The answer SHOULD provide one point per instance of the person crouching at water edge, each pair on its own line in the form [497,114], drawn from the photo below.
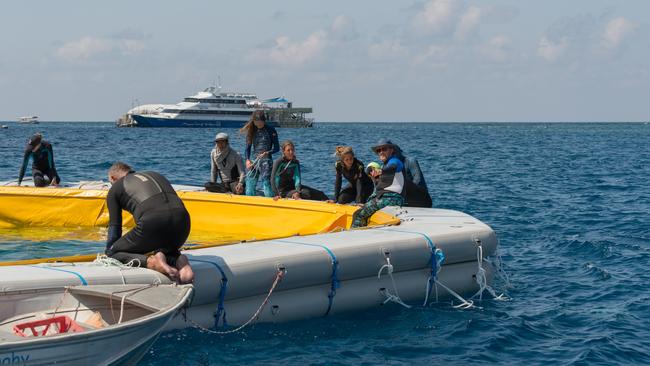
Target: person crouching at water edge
[43,168]
[286,180]
[262,139]
[227,165]
[389,187]
[162,224]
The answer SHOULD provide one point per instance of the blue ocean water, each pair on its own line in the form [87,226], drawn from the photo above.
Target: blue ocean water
[569,202]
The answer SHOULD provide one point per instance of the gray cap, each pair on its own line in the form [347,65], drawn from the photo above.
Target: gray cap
[221,136]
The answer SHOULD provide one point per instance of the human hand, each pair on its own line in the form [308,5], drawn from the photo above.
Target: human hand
[239,188]
[275,198]
[330,201]
[295,195]
[375,173]
[249,164]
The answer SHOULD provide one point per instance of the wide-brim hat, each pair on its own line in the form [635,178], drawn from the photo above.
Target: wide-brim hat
[381,143]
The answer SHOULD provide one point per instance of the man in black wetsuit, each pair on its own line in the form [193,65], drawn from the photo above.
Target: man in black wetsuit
[43,168]
[162,222]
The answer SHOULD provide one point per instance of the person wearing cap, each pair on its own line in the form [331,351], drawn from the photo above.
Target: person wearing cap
[389,187]
[262,142]
[43,168]
[227,166]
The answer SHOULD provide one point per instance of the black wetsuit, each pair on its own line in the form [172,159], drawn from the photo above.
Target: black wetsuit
[360,187]
[416,192]
[162,222]
[43,168]
[286,179]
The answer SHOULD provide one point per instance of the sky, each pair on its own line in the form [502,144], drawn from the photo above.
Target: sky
[365,60]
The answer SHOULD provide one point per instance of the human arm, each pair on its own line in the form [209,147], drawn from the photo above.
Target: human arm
[337,182]
[214,170]
[359,184]
[275,144]
[274,177]
[115,216]
[296,176]
[28,153]
[50,161]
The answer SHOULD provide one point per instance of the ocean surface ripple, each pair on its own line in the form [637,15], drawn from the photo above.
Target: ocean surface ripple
[569,202]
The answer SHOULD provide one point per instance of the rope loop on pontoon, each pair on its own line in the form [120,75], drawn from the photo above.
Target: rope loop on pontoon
[384,291]
[278,278]
[481,277]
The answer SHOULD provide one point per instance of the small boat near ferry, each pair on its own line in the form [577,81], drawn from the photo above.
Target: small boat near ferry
[86,325]
[28,119]
[213,108]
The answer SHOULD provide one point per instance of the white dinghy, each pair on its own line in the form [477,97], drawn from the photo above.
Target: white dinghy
[86,325]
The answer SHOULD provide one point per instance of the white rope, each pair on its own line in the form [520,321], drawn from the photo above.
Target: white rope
[106,261]
[384,291]
[481,279]
[464,304]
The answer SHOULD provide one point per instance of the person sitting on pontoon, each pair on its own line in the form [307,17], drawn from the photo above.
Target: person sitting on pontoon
[286,180]
[227,165]
[359,186]
[43,168]
[162,224]
[389,187]
[415,191]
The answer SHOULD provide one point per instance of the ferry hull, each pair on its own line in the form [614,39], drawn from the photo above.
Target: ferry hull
[146,121]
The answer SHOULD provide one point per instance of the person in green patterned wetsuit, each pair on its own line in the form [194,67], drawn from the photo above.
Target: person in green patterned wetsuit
[286,181]
[389,187]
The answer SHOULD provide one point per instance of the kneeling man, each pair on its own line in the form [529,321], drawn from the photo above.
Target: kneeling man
[162,222]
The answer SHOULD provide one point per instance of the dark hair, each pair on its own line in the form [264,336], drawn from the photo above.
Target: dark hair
[249,127]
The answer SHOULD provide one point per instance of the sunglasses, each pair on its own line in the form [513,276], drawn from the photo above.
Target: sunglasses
[380,149]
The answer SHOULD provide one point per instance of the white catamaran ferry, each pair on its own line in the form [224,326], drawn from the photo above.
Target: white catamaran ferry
[208,108]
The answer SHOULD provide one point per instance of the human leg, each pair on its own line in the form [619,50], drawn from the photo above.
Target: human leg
[251,184]
[361,216]
[40,180]
[348,194]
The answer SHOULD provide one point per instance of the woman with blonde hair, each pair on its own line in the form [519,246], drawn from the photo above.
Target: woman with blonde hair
[360,185]
[262,140]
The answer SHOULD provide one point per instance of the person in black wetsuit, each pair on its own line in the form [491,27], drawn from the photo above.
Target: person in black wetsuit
[360,185]
[415,190]
[286,180]
[43,168]
[162,224]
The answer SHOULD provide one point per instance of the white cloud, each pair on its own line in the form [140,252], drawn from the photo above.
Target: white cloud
[497,48]
[468,23]
[552,51]
[438,16]
[616,31]
[295,53]
[90,47]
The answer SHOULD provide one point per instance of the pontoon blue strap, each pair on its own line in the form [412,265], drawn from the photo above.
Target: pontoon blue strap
[436,259]
[220,313]
[335,271]
[83,281]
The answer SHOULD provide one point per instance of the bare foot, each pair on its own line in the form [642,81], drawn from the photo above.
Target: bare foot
[185,272]
[158,262]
